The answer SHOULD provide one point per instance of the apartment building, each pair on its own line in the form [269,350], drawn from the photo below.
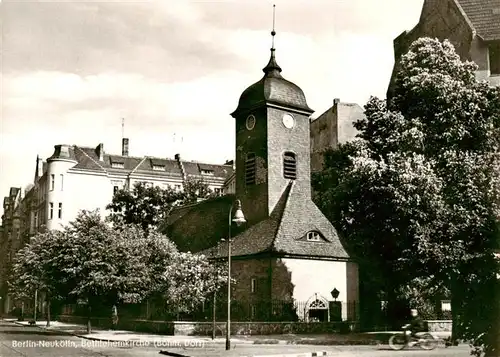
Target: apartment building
[78,178]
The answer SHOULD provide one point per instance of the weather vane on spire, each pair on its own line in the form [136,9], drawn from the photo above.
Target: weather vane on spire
[273,33]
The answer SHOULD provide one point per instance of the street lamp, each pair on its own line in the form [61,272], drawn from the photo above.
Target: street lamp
[239,219]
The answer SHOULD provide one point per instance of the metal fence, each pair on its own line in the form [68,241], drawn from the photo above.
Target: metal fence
[272,311]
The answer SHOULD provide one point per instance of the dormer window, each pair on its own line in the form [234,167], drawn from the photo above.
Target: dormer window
[250,169]
[313,236]
[207,172]
[289,165]
[117,165]
[158,168]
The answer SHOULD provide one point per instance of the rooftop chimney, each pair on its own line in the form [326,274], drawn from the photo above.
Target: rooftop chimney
[125,147]
[336,101]
[39,168]
[99,150]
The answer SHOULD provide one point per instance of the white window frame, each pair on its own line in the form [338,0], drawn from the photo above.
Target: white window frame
[52,182]
[118,165]
[158,167]
[313,236]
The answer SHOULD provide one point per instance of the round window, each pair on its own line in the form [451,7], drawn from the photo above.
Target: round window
[288,121]
[250,122]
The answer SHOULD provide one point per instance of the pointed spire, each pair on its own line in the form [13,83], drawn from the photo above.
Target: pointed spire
[273,69]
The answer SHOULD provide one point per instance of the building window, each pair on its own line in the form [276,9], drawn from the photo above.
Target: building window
[62,181]
[35,220]
[253,312]
[217,191]
[115,189]
[158,168]
[177,187]
[313,236]
[117,165]
[254,283]
[250,169]
[494,54]
[51,210]
[289,165]
[52,181]
[207,172]
[445,305]
[148,184]
[59,213]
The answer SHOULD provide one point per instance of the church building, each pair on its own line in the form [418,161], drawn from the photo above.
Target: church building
[286,250]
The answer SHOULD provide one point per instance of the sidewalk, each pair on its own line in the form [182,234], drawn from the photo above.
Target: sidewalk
[136,338]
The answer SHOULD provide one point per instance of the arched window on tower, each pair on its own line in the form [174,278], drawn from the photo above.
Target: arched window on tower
[289,165]
[250,169]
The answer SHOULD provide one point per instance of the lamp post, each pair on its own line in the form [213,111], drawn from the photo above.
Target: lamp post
[239,219]
[214,307]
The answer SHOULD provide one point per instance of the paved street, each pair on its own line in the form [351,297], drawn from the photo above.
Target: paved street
[23,341]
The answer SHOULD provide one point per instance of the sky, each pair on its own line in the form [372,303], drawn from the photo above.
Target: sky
[174,70]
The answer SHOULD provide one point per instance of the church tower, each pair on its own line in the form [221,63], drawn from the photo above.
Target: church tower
[272,142]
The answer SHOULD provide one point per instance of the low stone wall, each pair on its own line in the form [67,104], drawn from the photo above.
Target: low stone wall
[439,325]
[183,328]
[261,328]
[156,327]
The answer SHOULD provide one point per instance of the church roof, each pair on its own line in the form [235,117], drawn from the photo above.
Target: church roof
[284,232]
[272,89]
[198,226]
[484,16]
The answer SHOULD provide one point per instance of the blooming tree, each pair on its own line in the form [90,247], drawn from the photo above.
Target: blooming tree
[181,280]
[417,196]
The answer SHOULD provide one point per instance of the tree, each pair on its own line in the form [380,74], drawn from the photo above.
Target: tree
[102,264]
[418,195]
[149,206]
[34,269]
[180,280]
[191,280]
[143,205]
[195,190]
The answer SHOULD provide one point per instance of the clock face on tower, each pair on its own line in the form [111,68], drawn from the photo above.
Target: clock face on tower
[288,121]
[250,122]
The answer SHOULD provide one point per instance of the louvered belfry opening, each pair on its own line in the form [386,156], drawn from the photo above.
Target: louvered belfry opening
[289,165]
[250,169]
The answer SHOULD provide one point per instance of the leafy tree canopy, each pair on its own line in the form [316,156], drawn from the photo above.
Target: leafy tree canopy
[417,195]
[148,206]
[94,261]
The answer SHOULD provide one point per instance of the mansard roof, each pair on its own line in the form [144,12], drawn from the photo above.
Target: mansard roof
[87,158]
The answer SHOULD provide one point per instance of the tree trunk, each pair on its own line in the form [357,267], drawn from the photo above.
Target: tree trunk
[89,314]
[213,317]
[456,312]
[36,306]
[48,309]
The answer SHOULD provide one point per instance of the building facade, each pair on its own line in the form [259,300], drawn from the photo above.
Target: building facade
[472,26]
[78,178]
[335,126]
